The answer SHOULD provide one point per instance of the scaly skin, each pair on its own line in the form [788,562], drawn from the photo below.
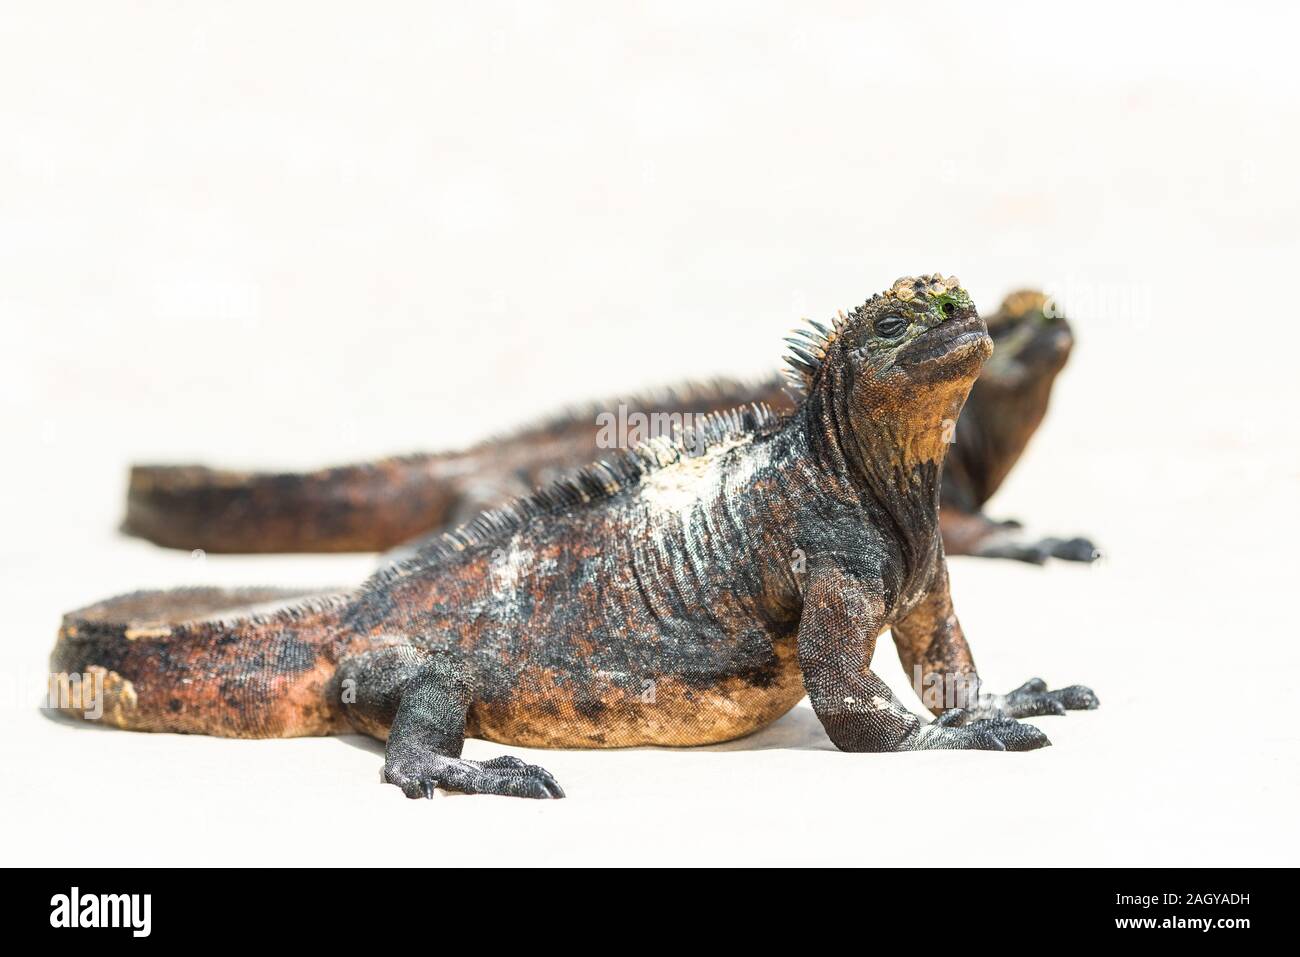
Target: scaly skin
[379,505]
[680,596]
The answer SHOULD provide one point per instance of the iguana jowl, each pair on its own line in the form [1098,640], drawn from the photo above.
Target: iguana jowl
[382,504]
[541,624]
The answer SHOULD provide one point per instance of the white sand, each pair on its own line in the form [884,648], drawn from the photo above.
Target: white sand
[308,235]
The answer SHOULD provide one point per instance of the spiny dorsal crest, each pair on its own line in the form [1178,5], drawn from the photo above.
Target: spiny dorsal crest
[593,483]
[810,346]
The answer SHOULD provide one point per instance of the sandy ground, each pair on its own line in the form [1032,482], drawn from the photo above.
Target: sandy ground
[292,235]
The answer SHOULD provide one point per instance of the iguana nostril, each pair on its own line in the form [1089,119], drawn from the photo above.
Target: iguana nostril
[948,309]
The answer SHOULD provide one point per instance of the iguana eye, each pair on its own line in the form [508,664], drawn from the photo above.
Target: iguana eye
[891,327]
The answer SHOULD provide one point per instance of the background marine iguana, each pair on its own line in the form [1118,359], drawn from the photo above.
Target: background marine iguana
[379,505]
[541,624]
[1006,405]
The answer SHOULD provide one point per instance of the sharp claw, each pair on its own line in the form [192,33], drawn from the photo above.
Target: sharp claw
[552,786]
[510,776]
[428,789]
[1004,734]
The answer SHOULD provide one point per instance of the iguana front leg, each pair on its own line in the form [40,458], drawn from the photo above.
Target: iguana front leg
[419,700]
[935,654]
[842,616]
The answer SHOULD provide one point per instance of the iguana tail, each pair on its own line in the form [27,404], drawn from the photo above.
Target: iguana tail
[242,663]
[351,508]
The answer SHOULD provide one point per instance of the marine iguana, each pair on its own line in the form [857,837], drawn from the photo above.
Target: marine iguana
[376,506]
[1032,342]
[652,600]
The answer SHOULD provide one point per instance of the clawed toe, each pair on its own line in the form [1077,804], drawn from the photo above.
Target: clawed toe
[518,779]
[1033,705]
[957,729]
[507,776]
[1010,735]
[1032,699]
[1078,698]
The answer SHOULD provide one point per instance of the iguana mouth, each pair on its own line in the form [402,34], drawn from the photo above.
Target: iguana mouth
[1043,348]
[948,340]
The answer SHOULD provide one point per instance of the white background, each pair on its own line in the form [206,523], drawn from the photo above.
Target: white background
[284,234]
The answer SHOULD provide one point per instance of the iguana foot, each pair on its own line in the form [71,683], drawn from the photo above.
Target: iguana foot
[957,729]
[1033,698]
[1071,549]
[1037,553]
[508,776]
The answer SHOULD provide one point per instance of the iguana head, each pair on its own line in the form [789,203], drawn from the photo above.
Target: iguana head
[1032,339]
[922,332]
[902,362]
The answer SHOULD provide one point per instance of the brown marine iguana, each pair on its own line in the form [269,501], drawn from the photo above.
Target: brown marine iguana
[376,506]
[1032,343]
[648,601]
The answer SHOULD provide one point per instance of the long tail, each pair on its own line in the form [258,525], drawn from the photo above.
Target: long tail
[352,508]
[243,663]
